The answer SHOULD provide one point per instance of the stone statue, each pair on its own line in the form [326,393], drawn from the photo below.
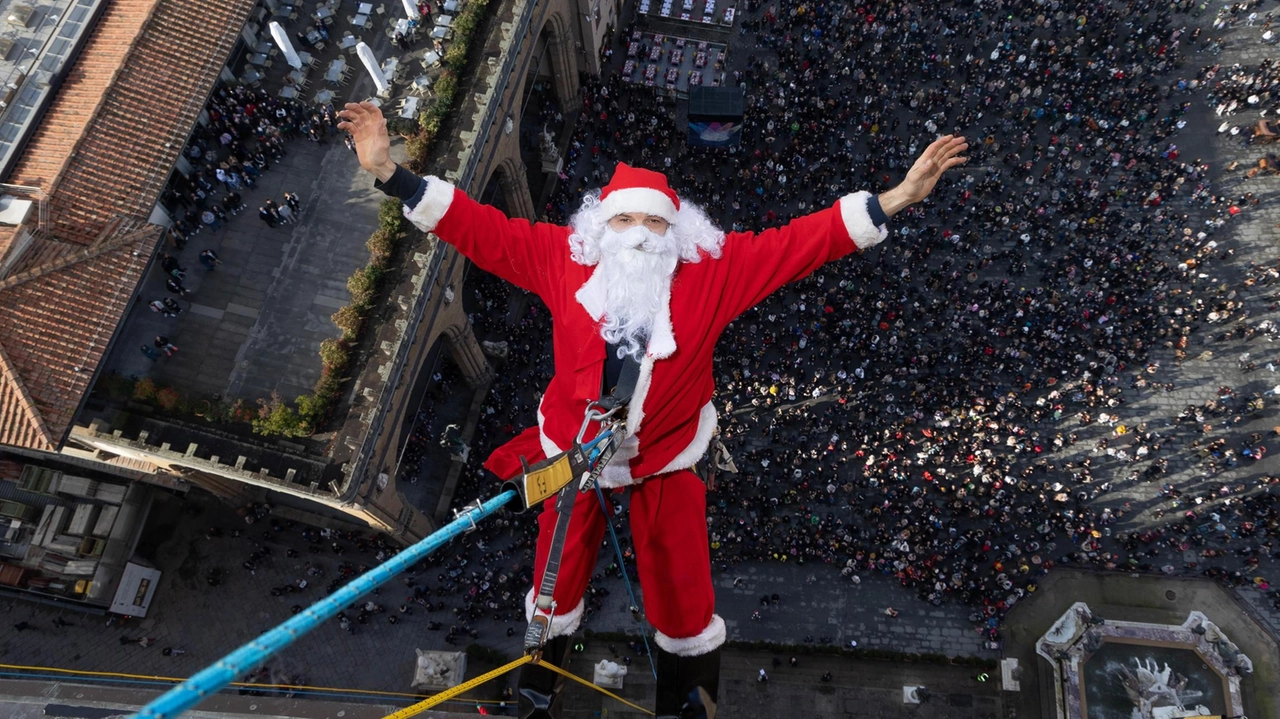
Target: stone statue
[438,669]
[547,146]
[548,152]
[497,350]
[609,674]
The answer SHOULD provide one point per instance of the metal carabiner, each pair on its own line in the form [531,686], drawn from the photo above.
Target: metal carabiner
[593,415]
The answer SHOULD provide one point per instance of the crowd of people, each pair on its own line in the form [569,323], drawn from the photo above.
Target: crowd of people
[246,133]
[950,409]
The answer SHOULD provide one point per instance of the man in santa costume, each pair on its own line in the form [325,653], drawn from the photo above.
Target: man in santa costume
[639,272]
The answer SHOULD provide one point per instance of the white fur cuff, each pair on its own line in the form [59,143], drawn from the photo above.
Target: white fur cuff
[434,203]
[863,232]
[562,625]
[707,640]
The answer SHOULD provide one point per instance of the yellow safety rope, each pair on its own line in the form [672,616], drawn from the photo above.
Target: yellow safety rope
[448,694]
[249,685]
[584,682]
[470,684]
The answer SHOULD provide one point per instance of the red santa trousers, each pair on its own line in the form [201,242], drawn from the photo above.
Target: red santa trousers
[669,528]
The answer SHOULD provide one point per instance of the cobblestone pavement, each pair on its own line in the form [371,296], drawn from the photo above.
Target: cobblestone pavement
[253,325]
[834,608]
[1213,359]
[859,688]
[849,612]
[209,621]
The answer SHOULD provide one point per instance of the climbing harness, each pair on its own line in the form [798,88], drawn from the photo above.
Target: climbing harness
[583,463]
[544,479]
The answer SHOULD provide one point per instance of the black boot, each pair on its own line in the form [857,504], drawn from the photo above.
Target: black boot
[541,690]
[688,687]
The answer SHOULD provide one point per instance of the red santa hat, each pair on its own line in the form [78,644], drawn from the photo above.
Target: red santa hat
[634,189]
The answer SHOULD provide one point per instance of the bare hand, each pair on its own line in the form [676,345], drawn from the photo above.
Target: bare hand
[369,130]
[941,155]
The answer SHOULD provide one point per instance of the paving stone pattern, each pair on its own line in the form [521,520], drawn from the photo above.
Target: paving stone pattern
[254,325]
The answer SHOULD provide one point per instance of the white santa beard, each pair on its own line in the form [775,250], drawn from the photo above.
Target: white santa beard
[635,270]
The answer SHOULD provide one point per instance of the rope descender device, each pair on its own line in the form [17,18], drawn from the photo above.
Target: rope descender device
[582,462]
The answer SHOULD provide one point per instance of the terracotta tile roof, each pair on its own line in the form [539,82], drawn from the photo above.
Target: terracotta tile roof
[7,236]
[20,422]
[103,152]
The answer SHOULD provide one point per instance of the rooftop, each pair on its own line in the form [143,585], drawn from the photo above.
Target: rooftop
[38,40]
[102,153]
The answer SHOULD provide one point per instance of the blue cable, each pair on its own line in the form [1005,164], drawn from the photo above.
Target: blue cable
[80,678]
[214,677]
[217,676]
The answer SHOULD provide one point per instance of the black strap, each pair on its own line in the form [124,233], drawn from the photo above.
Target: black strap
[612,367]
[538,631]
[626,386]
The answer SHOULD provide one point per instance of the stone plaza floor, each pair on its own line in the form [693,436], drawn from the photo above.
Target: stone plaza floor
[253,326]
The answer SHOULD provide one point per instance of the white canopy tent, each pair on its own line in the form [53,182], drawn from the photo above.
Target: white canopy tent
[282,39]
[371,64]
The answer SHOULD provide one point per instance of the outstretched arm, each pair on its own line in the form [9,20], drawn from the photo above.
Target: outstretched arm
[941,155]
[528,255]
[369,130]
[761,263]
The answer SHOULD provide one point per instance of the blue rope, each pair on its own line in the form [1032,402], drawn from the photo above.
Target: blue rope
[622,567]
[81,679]
[215,677]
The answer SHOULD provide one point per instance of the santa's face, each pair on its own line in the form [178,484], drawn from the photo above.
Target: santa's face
[627,220]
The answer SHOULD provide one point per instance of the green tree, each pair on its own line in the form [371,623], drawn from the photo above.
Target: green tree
[348,319]
[145,389]
[277,418]
[363,285]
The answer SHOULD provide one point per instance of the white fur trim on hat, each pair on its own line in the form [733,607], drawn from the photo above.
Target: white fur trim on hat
[857,220]
[638,199]
[561,624]
[434,203]
[707,640]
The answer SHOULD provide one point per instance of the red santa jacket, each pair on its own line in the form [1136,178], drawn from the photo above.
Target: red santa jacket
[671,419]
